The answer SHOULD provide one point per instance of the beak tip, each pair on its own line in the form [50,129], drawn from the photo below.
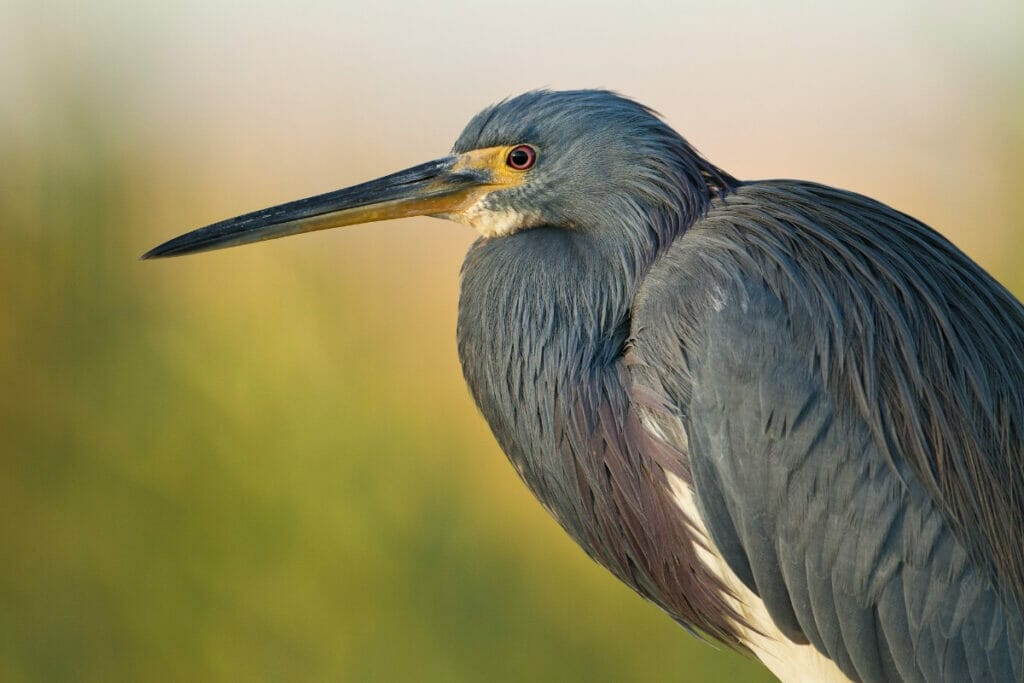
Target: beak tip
[189,243]
[160,251]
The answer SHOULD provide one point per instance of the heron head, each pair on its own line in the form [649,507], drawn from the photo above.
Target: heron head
[583,160]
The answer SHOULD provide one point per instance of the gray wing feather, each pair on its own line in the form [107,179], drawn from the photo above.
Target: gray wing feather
[809,504]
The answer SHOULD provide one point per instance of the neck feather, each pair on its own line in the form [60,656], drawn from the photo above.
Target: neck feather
[543,319]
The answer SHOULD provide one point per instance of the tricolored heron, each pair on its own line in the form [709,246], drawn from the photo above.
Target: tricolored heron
[787,414]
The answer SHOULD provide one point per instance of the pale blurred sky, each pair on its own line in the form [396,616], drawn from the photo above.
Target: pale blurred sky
[896,100]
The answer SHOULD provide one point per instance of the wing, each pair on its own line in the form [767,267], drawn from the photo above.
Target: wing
[850,388]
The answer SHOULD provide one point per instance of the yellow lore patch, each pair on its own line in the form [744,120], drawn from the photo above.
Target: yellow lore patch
[492,160]
[478,214]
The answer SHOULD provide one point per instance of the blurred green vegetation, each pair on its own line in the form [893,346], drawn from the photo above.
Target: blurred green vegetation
[263,465]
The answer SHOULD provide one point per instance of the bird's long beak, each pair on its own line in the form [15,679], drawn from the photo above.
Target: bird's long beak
[444,187]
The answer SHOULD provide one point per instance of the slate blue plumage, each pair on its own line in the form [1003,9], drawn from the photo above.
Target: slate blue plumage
[842,540]
[852,387]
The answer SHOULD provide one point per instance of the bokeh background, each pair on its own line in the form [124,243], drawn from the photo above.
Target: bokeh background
[262,464]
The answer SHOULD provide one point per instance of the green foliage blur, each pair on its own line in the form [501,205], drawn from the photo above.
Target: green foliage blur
[262,464]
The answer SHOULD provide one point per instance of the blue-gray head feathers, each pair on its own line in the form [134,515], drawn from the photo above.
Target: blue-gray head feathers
[604,162]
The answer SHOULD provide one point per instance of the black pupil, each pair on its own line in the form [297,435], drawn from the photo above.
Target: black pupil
[519,157]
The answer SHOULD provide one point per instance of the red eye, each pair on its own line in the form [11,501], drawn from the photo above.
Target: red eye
[521,157]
